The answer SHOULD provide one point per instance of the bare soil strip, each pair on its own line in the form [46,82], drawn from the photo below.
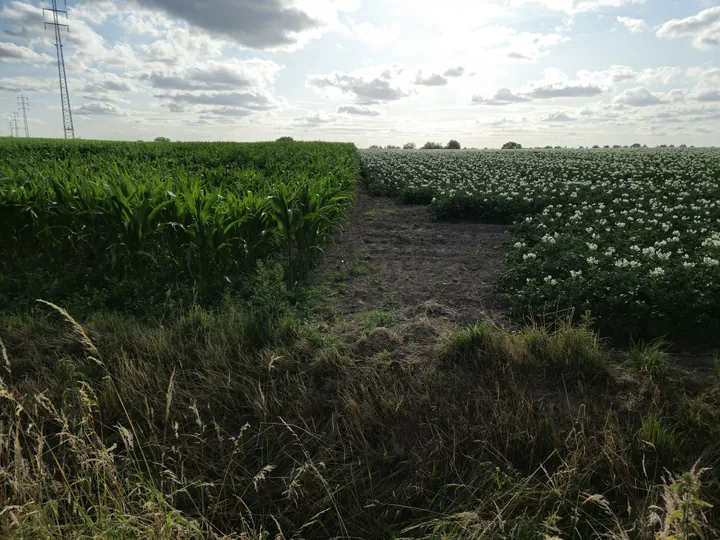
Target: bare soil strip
[394,255]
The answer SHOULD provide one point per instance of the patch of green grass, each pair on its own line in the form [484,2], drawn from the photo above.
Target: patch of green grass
[651,358]
[378,318]
[466,344]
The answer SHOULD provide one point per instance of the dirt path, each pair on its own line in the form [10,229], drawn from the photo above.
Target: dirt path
[394,255]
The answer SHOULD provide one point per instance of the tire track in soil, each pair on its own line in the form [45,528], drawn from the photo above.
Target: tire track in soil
[411,260]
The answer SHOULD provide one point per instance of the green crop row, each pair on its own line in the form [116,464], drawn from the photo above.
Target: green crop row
[204,211]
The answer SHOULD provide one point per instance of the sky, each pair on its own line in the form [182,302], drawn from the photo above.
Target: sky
[483,72]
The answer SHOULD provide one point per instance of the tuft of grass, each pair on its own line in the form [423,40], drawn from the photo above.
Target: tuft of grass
[654,431]
[466,345]
[651,358]
[377,319]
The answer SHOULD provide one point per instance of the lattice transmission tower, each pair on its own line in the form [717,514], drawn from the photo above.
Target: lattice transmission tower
[14,118]
[24,106]
[64,94]
[11,128]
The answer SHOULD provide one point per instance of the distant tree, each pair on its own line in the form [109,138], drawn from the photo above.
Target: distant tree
[606,146]
[432,146]
[683,146]
[596,146]
[375,147]
[636,145]
[662,146]
[285,139]
[453,145]
[409,146]
[558,148]
[616,146]
[581,147]
[548,147]
[392,147]
[672,146]
[511,146]
[162,139]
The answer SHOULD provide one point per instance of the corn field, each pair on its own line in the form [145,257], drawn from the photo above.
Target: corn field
[198,210]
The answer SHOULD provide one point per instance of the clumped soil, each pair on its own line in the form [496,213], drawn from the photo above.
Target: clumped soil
[393,255]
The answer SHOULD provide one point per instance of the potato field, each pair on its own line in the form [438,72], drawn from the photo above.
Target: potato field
[630,236]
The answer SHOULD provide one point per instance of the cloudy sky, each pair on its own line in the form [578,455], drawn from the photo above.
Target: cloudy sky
[567,72]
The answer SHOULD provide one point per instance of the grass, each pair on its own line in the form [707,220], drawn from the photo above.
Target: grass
[651,358]
[195,427]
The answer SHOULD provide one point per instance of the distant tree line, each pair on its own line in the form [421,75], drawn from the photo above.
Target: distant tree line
[510,145]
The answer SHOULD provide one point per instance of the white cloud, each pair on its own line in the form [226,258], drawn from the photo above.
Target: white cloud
[530,46]
[610,77]
[577,6]
[637,97]
[663,74]
[703,28]
[10,52]
[558,116]
[634,25]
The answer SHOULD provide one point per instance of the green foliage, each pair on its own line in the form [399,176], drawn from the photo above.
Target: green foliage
[511,146]
[651,358]
[377,319]
[195,212]
[632,236]
[453,145]
[431,146]
[465,345]
[161,139]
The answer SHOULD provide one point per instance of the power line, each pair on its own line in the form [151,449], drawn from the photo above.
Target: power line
[14,118]
[24,106]
[64,94]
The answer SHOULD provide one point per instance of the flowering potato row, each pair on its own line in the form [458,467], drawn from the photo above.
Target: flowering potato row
[633,236]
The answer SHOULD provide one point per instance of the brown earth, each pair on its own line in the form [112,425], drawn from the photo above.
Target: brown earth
[394,267]
[394,256]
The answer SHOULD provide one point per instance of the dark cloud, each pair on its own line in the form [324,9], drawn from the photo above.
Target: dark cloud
[432,80]
[314,120]
[99,109]
[366,91]
[708,95]
[504,96]
[253,101]
[113,85]
[216,77]
[228,111]
[357,111]
[259,24]
[27,84]
[565,90]
[455,72]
